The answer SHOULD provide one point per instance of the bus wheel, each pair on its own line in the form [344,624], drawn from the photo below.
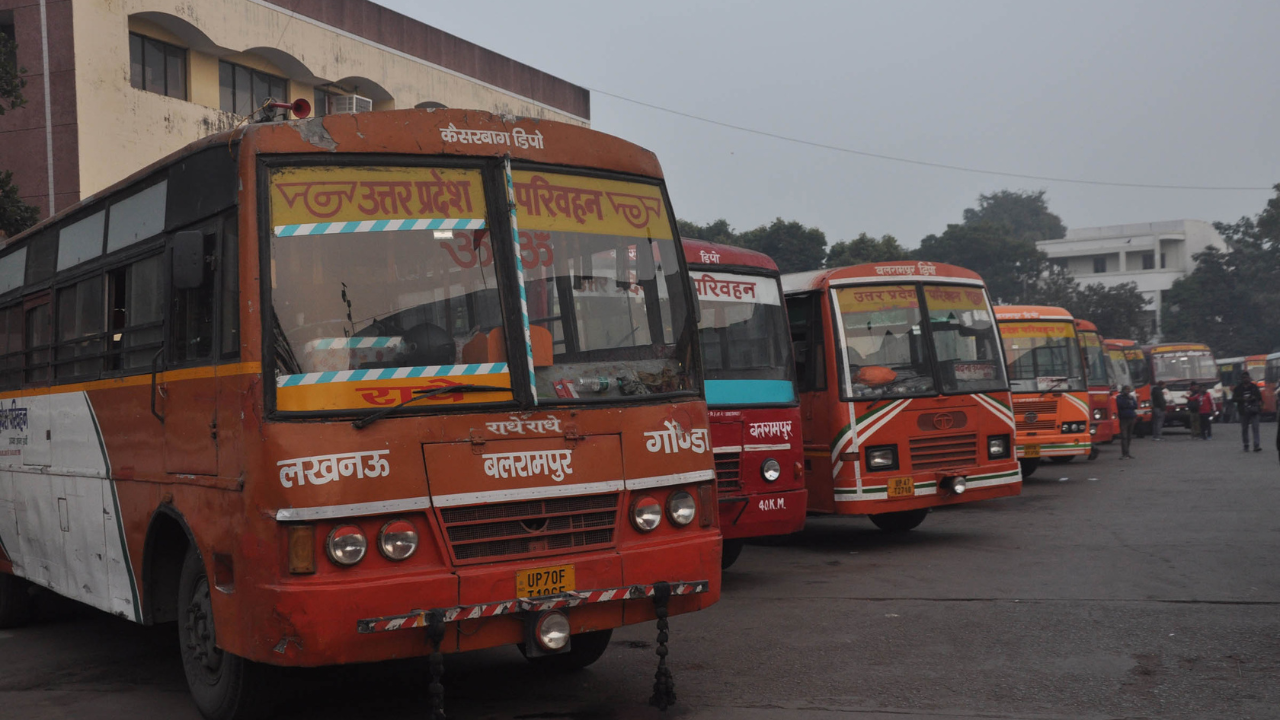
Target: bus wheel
[732,549]
[1094,452]
[224,687]
[584,649]
[1029,467]
[16,602]
[1062,460]
[900,521]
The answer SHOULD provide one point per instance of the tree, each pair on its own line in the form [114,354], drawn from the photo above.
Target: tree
[865,249]
[1212,306]
[1119,311]
[15,215]
[792,246]
[717,232]
[1011,267]
[11,80]
[1023,215]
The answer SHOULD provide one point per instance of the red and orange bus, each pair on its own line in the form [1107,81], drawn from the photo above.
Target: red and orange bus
[1104,418]
[902,390]
[1139,379]
[1270,381]
[750,390]
[1046,375]
[361,387]
[1179,365]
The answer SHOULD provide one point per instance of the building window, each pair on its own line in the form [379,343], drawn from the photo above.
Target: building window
[243,90]
[323,102]
[1100,264]
[1162,266]
[157,67]
[1060,263]
[1149,261]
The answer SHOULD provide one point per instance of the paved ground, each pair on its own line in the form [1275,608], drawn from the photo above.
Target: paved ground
[1111,589]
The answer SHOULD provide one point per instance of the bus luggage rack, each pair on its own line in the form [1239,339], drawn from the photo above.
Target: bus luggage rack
[939,451]
[1046,415]
[728,470]
[529,528]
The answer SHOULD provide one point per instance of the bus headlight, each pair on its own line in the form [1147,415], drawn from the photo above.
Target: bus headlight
[1144,404]
[1098,414]
[646,513]
[770,470]
[884,457]
[398,540]
[681,508]
[346,545]
[998,447]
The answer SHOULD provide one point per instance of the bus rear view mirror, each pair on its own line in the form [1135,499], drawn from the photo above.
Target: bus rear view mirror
[188,260]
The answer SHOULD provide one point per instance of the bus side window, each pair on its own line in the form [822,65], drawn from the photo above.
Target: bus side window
[38,337]
[11,348]
[229,274]
[805,319]
[80,330]
[135,302]
[191,311]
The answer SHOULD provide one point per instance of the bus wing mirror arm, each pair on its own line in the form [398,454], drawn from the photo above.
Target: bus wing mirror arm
[155,361]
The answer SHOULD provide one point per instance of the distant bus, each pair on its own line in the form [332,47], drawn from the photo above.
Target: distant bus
[1104,419]
[1229,372]
[751,396]
[1179,365]
[1047,378]
[1139,379]
[1271,379]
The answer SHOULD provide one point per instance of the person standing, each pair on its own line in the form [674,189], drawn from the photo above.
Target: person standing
[1249,404]
[1127,409]
[1193,410]
[1157,411]
[1207,408]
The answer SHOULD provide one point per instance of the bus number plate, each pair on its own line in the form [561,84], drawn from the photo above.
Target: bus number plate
[540,582]
[1031,451]
[901,487]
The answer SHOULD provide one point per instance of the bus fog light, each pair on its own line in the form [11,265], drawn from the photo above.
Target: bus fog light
[958,485]
[681,508]
[552,631]
[398,540]
[770,470]
[346,545]
[646,513]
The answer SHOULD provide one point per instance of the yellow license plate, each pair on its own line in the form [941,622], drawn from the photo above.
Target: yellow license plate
[540,582]
[1031,451]
[901,487]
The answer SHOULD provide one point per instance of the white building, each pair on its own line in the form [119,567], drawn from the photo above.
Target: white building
[1152,255]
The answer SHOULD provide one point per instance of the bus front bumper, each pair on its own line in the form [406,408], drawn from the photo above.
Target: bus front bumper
[763,514]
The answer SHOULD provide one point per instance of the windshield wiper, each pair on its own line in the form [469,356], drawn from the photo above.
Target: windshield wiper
[1054,385]
[365,422]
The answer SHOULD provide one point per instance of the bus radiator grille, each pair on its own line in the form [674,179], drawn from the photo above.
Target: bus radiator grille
[939,451]
[531,527]
[728,469]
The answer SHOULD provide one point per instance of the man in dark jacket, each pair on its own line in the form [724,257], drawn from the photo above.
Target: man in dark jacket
[1127,409]
[1157,410]
[1249,403]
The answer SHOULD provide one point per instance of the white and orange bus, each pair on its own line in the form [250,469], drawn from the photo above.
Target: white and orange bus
[902,390]
[750,389]
[1046,373]
[1180,365]
[361,387]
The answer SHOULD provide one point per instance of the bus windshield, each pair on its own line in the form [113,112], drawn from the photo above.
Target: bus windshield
[1097,363]
[1043,356]
[1138,369]
[1186,365]
[889,348]
[1120,375]
[743,330]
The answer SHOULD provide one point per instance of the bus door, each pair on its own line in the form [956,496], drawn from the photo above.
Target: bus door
[804,314]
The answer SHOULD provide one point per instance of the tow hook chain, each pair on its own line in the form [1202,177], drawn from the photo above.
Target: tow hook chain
[435,634]
[664,686]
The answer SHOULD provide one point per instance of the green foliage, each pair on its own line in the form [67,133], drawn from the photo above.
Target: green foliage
[15,215]
[792,246]
[716,232]
[1118,311]
[1011,267]
[1229,301]
[865,249]
[11,80]
[1021,215]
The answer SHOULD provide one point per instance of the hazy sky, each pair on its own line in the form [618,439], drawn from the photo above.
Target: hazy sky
[1161,92]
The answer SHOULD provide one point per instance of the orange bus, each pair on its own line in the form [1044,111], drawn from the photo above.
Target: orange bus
[750,389]
[1179,365]
[902,390]
[1104,418]
[1139,379]
[1270,380]
[1050,395]
[361,387]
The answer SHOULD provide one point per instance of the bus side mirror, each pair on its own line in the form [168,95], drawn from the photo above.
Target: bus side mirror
[188,260]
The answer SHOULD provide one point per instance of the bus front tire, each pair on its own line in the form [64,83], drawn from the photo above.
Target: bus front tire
[896,522]
[732,549]
[1029,467]
[16,601]
[223,686]
[584,649]
[1062,459]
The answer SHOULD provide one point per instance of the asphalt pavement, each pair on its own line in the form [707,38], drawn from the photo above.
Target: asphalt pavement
[1108,589]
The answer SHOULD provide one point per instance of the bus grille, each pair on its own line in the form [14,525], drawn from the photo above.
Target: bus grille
[938,451]
[728,467]
[1046,415]
[480,533]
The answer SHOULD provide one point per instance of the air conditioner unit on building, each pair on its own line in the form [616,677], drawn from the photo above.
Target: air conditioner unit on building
[350,104]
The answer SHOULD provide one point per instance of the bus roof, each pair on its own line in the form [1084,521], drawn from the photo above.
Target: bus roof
[701,252]
[882,272]
[1229,361]
[1086,325]
[1175,347]
[410,132]
[1006,313]
[1119,343]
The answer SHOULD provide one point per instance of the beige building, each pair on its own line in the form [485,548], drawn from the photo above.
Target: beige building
[113,85]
